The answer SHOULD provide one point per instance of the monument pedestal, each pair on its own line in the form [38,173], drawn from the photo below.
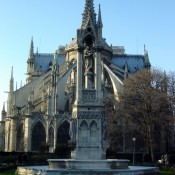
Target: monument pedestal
[88,153]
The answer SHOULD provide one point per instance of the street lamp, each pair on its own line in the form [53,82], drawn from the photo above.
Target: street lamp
[134,140]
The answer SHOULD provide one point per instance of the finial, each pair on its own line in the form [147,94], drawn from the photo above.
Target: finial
[12,73]
[55,58]
[3,109]
[31,49]
[88,14]
[16,85]
[99,17]
[11,87]
[145,51]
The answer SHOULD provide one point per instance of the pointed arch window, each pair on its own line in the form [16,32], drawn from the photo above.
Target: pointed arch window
[38,136]
[63,133]
[93,132]
[84,132]
[20,138]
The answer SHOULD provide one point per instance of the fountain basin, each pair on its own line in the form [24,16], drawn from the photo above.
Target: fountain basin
[55,164]
[44,170]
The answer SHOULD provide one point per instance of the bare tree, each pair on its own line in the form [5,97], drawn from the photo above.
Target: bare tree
[171,93]
[144,106]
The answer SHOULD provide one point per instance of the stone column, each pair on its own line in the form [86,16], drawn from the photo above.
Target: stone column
[42,105]
[47,130]
[98,74]
[7,135]
[79,76]
[48,105]
[56,100]
[55,137]
[102,73]
[100,132]
[99,129]
[27,134]
[13,135]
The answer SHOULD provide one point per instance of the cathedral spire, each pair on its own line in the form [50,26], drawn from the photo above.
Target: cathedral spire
[30,62]
[99,23]
[31,54]
[10,94]
[11,81]
[88,14]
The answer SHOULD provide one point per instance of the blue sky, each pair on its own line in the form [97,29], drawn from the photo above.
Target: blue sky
[129,23]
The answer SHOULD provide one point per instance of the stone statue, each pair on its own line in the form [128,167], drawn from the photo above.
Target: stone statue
[88,54]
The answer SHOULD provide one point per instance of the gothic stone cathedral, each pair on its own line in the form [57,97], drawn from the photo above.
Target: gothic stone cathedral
[63,99]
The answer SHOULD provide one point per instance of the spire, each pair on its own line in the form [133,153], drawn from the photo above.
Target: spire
[3,109]
[55,58]
[10,95]
[12,73]
[16,85]
[30,63]
[146,58]
[11,81]
[88,14]
[55,65]
[31,54]
[3,113]
[99,23]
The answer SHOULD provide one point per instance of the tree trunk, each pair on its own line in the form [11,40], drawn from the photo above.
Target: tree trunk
[151,144]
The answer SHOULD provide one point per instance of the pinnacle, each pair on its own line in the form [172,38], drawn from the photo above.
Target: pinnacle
[89,14]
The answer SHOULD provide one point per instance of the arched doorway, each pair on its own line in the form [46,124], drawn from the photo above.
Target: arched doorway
[38,136]
[20,138]
[63,133]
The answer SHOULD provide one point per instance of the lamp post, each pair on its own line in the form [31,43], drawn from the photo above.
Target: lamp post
[134,140]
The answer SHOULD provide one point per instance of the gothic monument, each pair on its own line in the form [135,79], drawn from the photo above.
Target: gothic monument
[63,100]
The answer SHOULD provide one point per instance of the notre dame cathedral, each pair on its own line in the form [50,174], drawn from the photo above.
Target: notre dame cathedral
[64,96]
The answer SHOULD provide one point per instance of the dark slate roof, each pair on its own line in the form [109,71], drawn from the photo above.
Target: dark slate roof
[42,61]
[135,62]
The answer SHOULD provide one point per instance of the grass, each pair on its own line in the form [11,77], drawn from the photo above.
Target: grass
[11,171]
[167,173]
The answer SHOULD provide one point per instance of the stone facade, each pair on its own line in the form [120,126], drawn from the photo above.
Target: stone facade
[63,100]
